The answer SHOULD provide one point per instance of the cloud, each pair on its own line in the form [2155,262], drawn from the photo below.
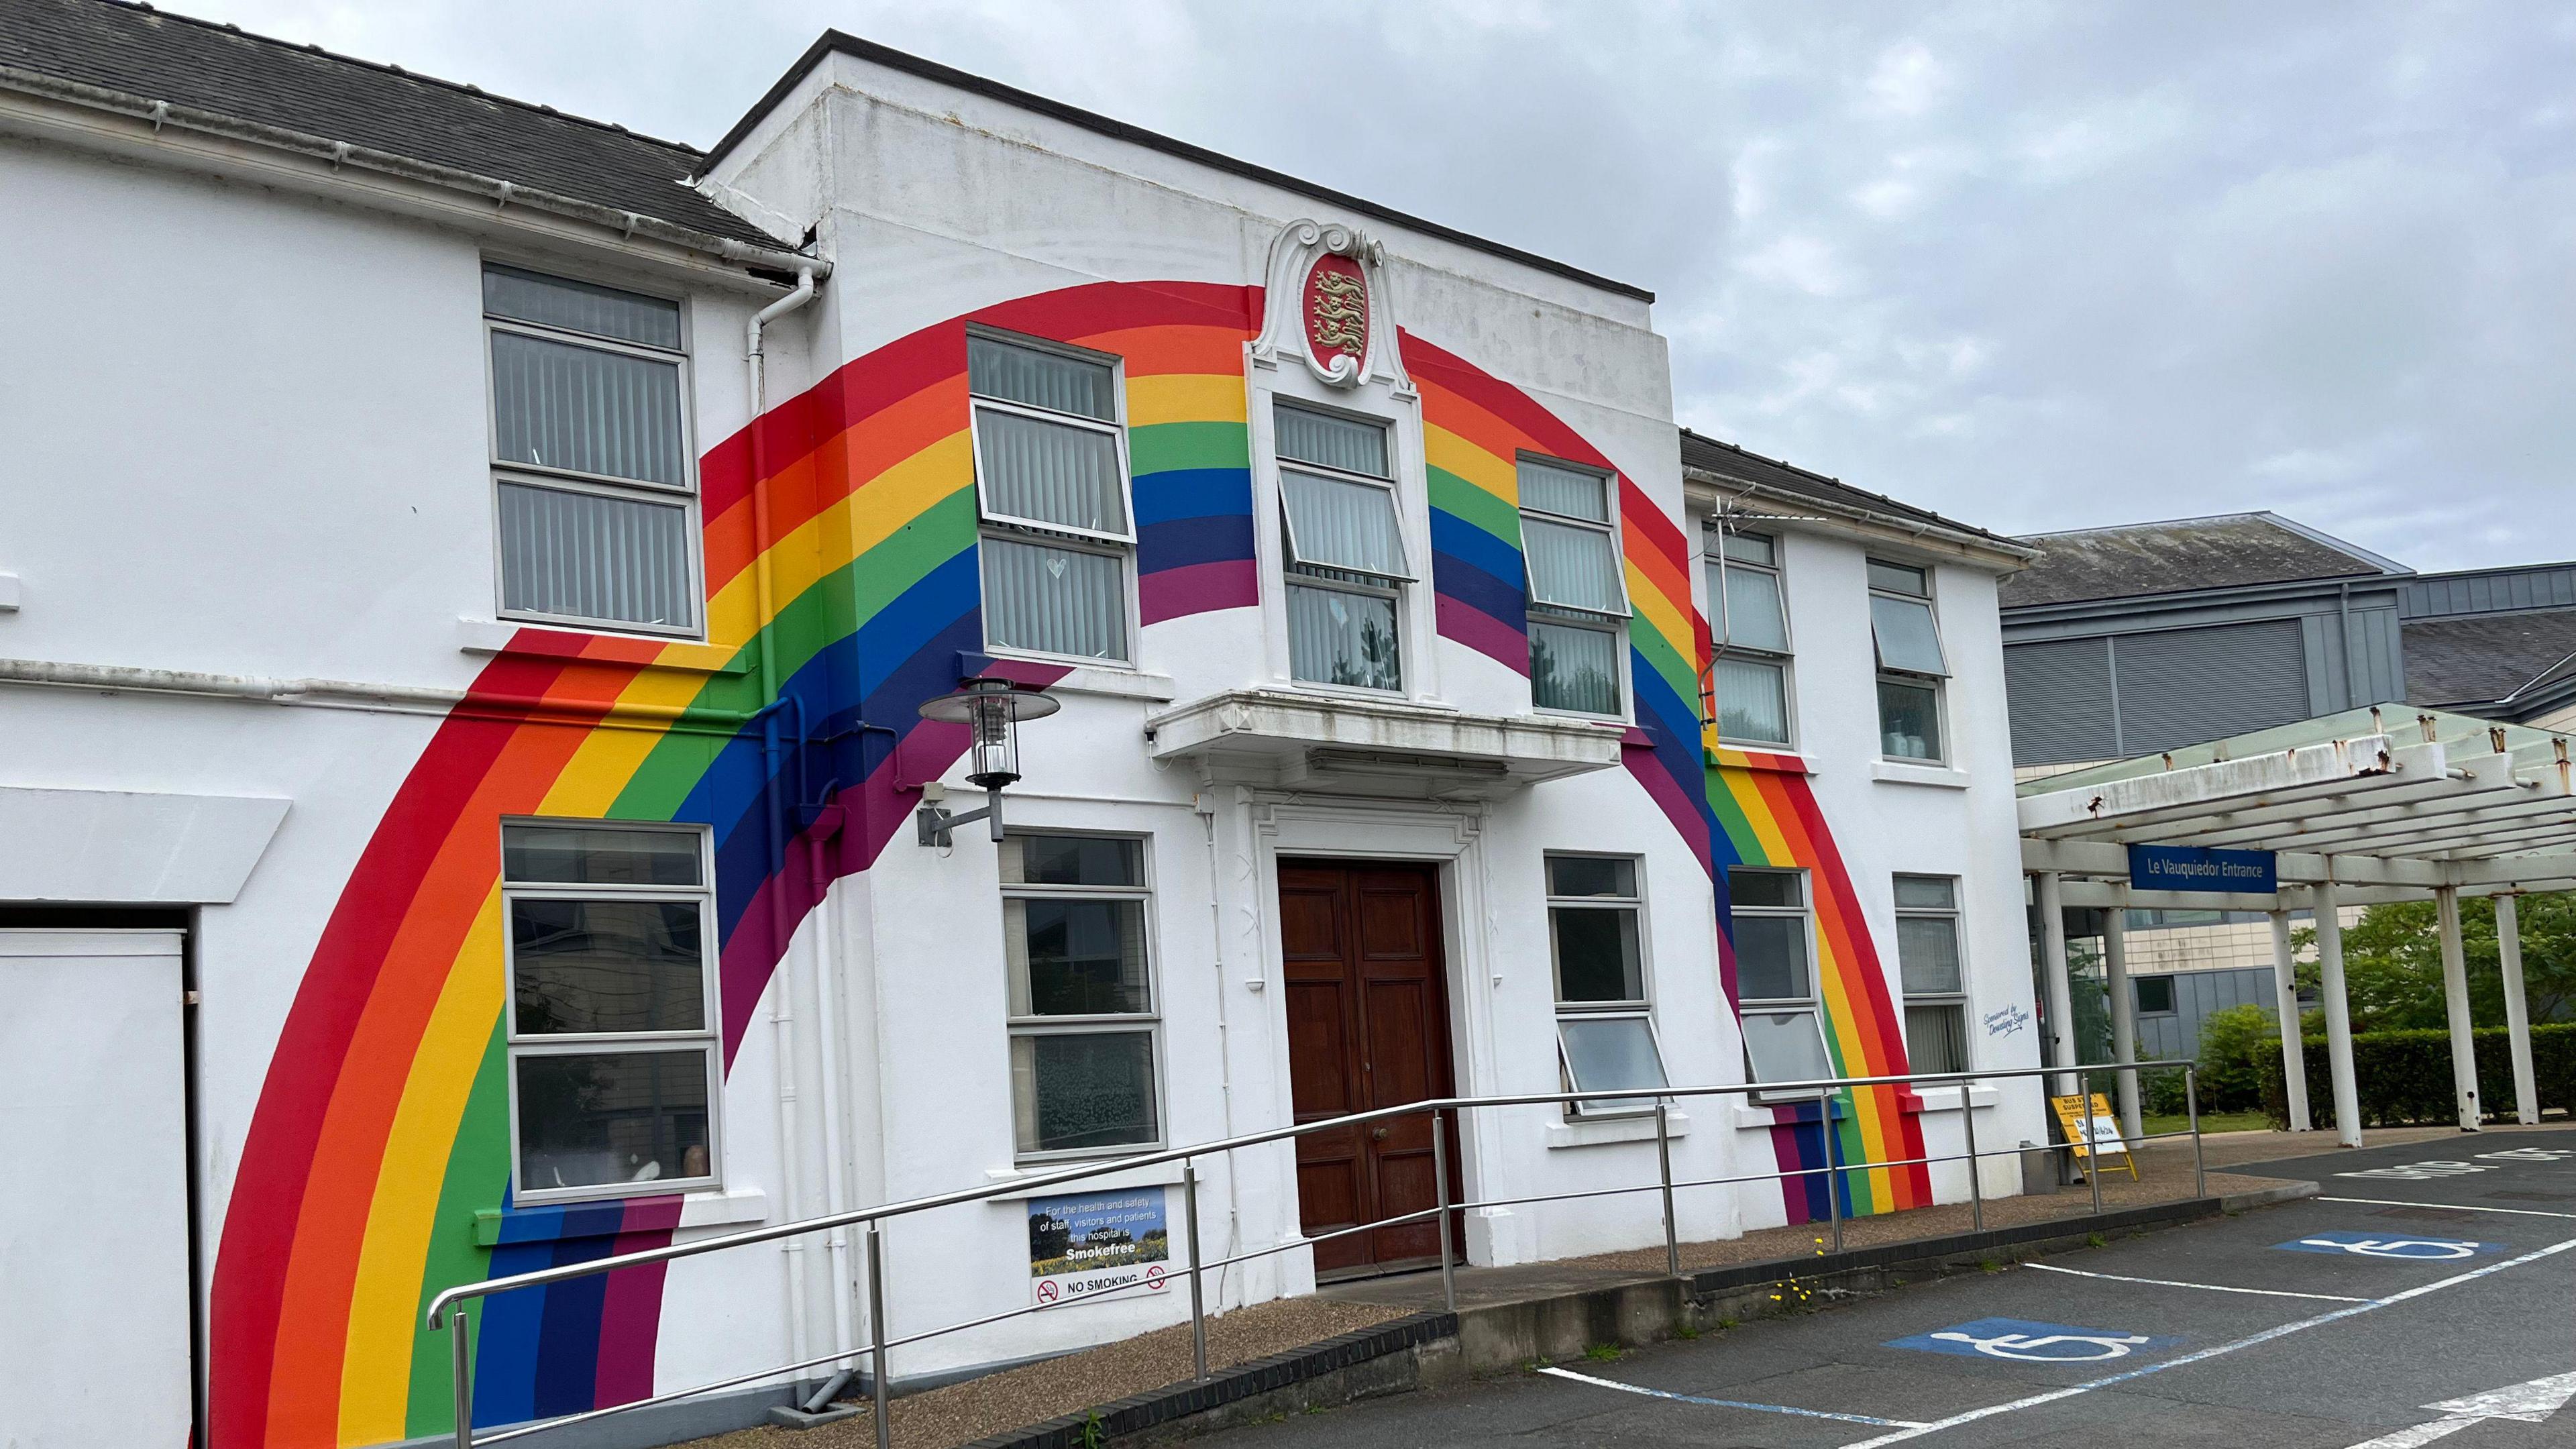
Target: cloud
[2037,266]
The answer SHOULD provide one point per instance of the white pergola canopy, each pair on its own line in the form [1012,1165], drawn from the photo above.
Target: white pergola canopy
[2358,808]
[2388,808]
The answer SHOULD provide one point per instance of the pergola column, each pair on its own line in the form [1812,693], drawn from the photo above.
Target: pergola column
[2061,1002]
[2455,1003]
[2294,1054]
[2124,1015]
[2347,1091]
[2517,1015]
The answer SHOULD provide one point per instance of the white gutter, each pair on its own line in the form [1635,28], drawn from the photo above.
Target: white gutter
[499,195]
[1915,528]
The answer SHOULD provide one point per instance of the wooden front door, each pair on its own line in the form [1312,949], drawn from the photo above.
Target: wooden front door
[1368,1027]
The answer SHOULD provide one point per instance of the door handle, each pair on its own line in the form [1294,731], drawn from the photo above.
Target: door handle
[1377,1134]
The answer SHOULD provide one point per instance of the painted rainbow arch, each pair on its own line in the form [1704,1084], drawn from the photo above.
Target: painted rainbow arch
[377,1154]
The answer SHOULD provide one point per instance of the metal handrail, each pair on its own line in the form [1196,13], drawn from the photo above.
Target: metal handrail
[447,1309]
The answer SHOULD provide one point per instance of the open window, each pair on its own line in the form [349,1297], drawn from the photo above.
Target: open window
[1578,596]
[1775,979]
[1911,666]
[1749,679]
[1346,560]
[1605,1028]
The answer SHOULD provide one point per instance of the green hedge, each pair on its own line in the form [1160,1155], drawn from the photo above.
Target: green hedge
[2405,1076]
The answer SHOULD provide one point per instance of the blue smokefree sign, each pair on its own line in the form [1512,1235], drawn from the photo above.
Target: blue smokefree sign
[2190,868]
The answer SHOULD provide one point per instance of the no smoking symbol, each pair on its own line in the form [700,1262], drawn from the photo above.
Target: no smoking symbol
[1154,1278]
[1047,1292]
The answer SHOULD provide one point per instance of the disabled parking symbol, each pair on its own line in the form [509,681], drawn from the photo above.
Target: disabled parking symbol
[2019,1341]
[2388,1245]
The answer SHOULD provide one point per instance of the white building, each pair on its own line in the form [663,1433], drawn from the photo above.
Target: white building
[416,660]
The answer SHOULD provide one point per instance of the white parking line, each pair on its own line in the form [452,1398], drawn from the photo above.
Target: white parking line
[1875,1423]
[2251,1341]
[2207,1287]
[2455,1207]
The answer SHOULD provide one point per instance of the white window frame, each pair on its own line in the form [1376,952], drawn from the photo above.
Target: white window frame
[709,1038]
[1784,660]
[1936,683]
[1959,999]
[608,485]
[1566,616]
[1640,1009]
[1119,1023]
[1811,1005]
[1011,528]
[1293,571]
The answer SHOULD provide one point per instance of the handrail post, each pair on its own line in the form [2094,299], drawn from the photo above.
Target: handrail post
[1833,1170]
[1664,1172]
[2191,1104]
[1976,1186]
[2092,1147]
[1198,1302]
[877,1335]
[1440,1196]
[461,1357]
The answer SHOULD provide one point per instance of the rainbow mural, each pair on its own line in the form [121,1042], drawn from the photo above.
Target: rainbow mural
[840,555]
[1732,806]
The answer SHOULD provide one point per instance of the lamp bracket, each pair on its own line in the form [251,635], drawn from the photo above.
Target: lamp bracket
[933,826]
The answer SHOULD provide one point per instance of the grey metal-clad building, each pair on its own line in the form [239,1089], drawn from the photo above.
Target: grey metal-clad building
[2130,640]
[2172,1004]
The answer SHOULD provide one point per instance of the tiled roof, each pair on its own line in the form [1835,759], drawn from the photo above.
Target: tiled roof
[2481,658]
[226,71]
[1704,454]
[2228,551]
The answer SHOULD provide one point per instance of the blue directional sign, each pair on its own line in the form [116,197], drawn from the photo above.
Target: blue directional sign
[2018,1341]
[2191,868]
[2390,1245]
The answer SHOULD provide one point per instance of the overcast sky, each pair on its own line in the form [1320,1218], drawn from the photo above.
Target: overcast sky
[2038,266]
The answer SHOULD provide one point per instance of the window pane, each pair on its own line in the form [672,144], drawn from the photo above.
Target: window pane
[1784,1047]
[1928,892]
[1596,955]
[1936,1037]
[1050,472]
[1574,668]
[1040,379]
[1611,1054]
[1344,443]
[600,1117]
[1909,721]
[2155,993]
[1075,957]
[1771,958]
[1927,953]
[1072,860]
[606,965]
[1339,525]
[558,405]
[1094,1089]
[581,307]
[1591,875]
[1551,488]
[1905,636]
[597,855]
[1753,616]
[1898,579]
[1572,568]
[1752,701]
[1342,638]
[1763,887]
[1752,548]
[589,556]
[1054,600]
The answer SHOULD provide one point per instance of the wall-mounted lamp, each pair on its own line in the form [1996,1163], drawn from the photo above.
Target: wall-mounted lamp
[992,709]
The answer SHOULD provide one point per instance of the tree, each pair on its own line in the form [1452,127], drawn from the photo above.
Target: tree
[2392,963]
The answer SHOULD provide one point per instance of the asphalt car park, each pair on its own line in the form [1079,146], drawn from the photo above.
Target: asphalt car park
[2426,1294]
